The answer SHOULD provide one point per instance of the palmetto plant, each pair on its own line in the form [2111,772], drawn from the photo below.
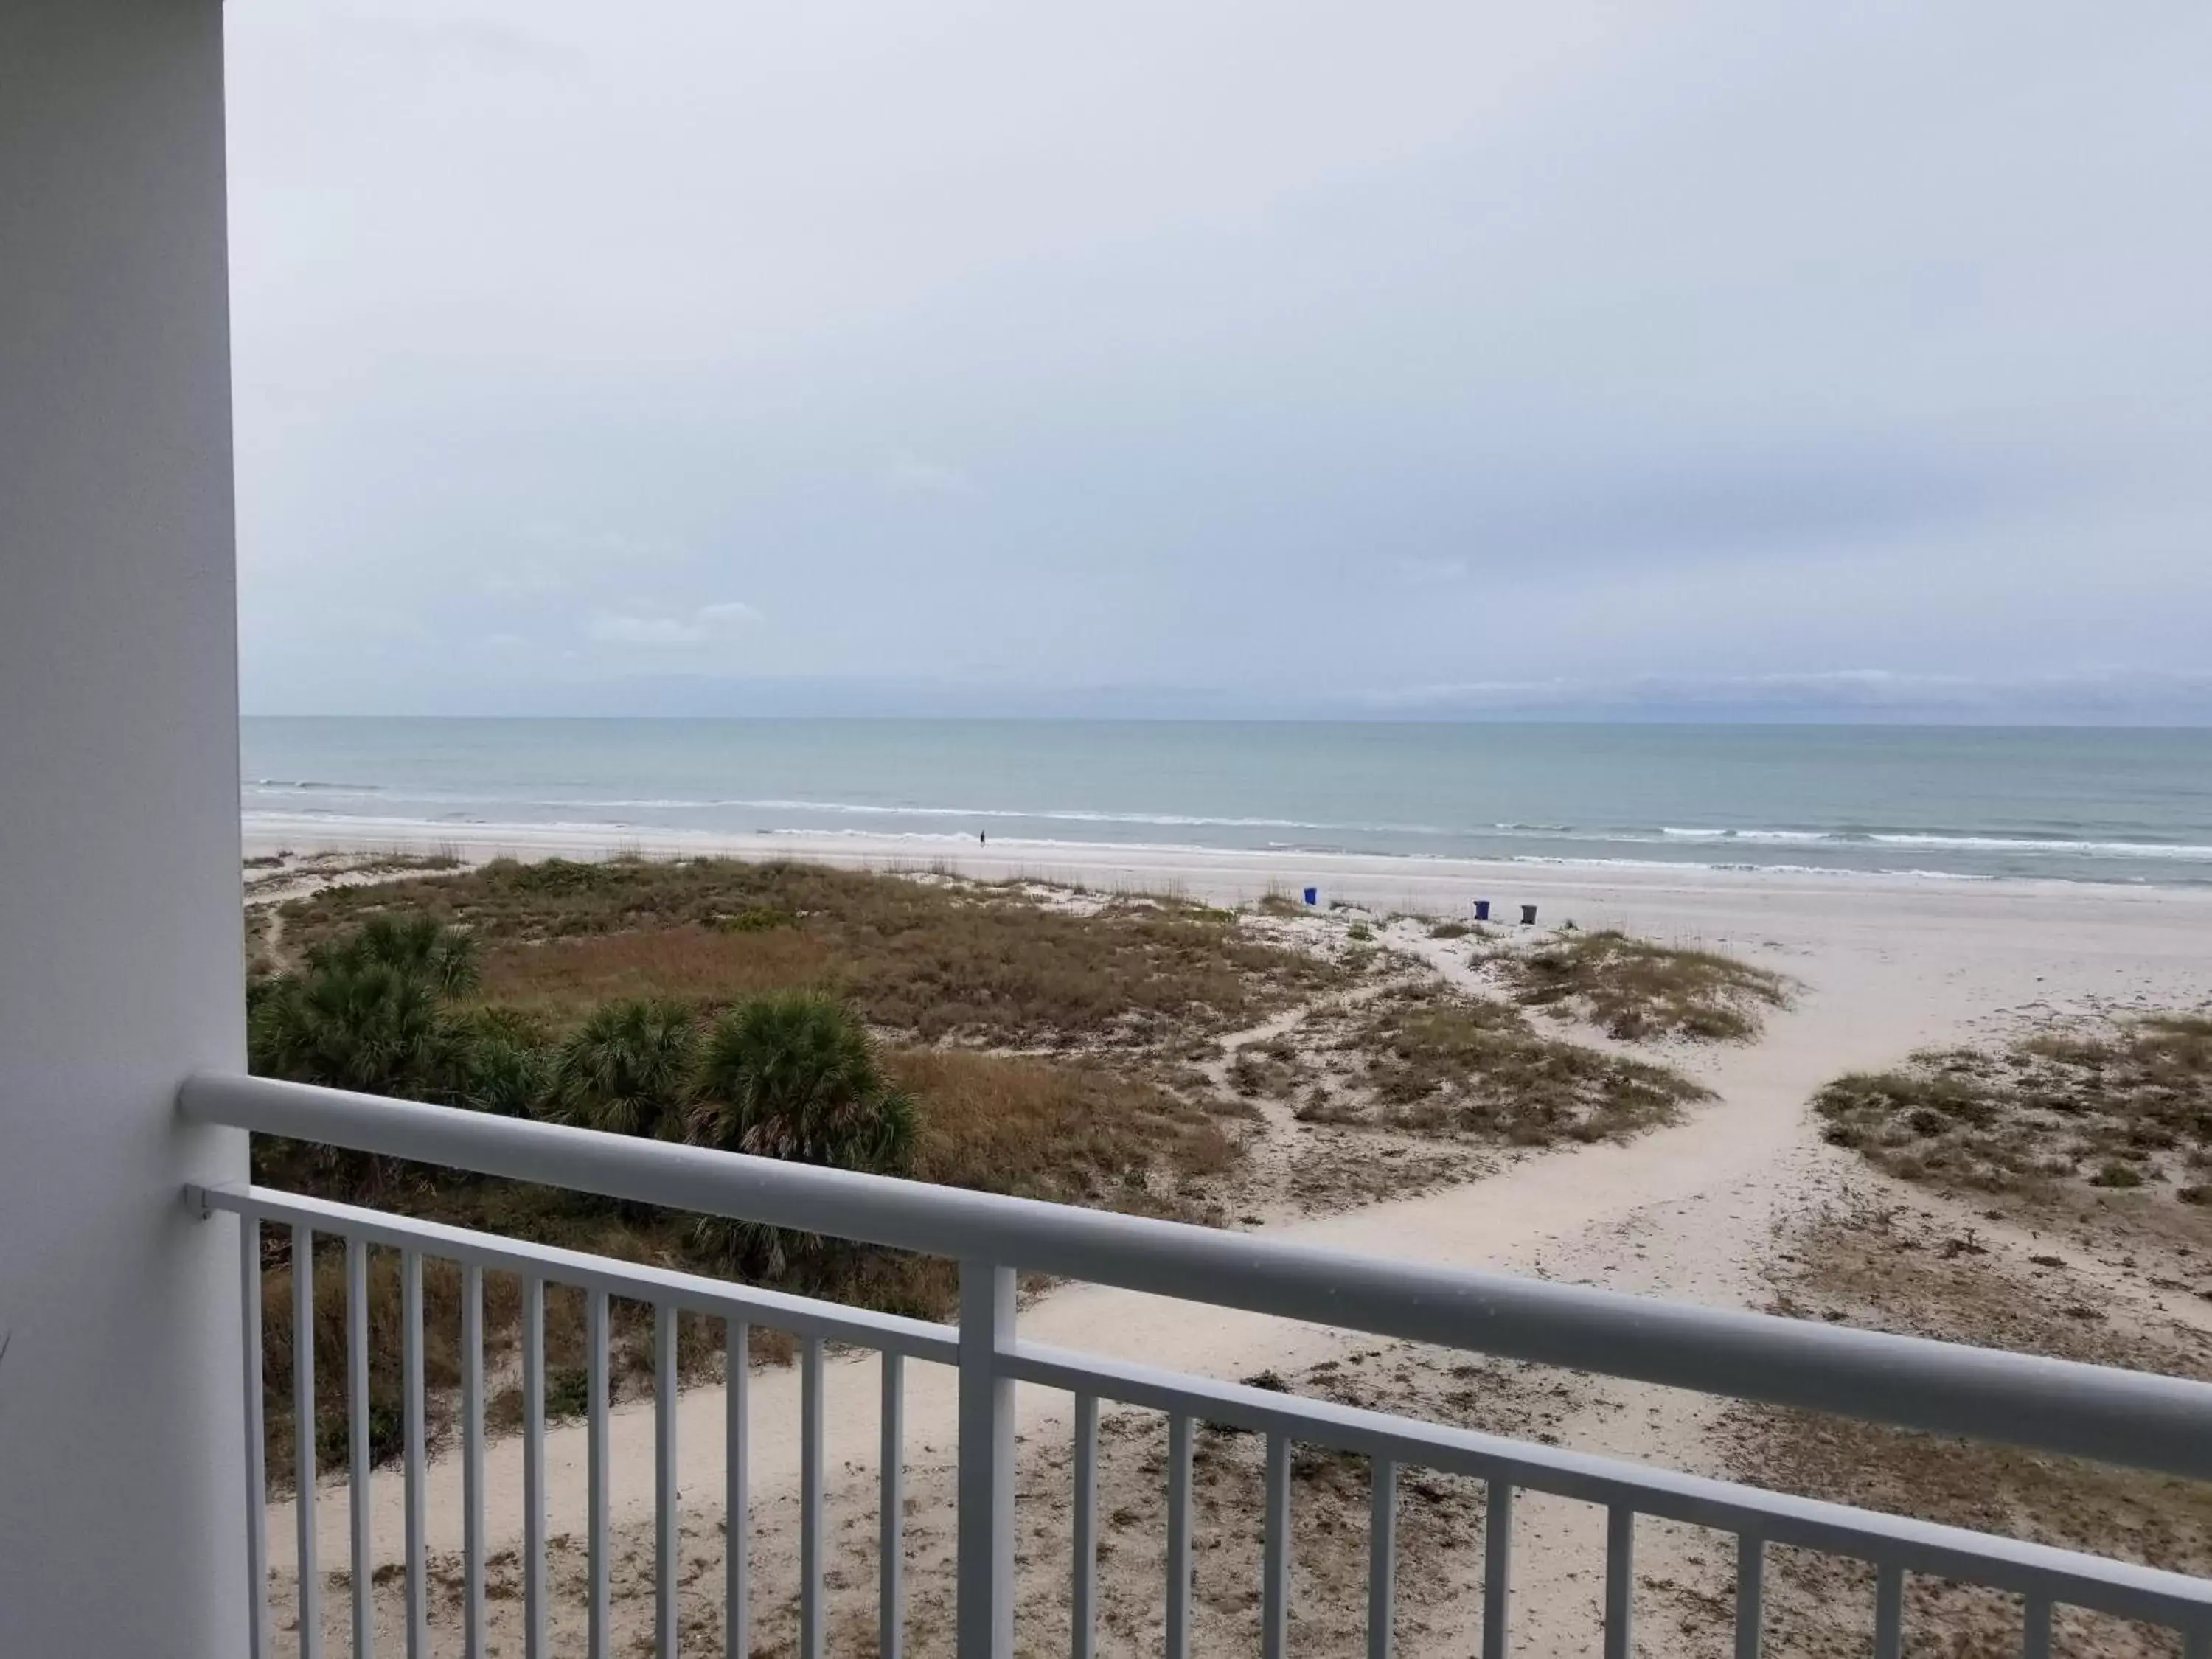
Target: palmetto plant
[628,1069]
[507,1066]
[445,959]
[365,1026]
[352,1021]
[794,1074]
[367,1013]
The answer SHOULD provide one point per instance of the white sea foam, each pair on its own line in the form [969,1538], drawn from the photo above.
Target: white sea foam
[2124,849]
[312,784]
[1785,836]
[1569,861]
[1940,841]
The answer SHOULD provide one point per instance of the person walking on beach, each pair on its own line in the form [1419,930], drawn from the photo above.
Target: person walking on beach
[981,838]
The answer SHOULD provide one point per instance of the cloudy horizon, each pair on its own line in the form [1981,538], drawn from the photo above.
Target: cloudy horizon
[1424,361]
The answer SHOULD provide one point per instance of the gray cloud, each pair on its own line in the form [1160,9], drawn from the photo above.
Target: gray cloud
[915,477]
[1250,355]
[725,619]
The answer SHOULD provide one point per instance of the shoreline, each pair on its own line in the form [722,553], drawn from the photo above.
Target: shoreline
[1799,912]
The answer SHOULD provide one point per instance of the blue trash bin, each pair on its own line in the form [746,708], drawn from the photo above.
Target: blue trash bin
[1482,909]
[1313,895]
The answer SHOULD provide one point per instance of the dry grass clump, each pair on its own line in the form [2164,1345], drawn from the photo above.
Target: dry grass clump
[936,960]
[1069,1134]
[2120,1106]
[1634,987]
[1426,1062]
[1273,1069]
[703,967]
[1876,1268]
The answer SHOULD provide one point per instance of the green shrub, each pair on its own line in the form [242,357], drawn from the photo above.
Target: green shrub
[507,1066]
[413,944]
[369,1013]
[628,1069]
[369,1026]
[552,876]
[755,918]
[387,1430]
[794,1075]
[568,1391]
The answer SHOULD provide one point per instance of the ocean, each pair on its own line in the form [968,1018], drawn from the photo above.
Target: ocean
[1946,803]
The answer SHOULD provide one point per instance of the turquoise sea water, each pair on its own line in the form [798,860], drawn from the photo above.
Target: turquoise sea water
[2123,805]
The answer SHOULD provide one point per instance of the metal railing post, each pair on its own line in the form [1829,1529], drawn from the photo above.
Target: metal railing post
[985,1622]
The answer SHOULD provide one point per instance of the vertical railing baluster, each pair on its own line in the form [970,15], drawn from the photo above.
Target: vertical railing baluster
[533,1468]
[2035,1627]
[357,1447]
[1497,1568]
[1889,1612]
[1620,1579]
[303,1437]
[809,1498]
[1382,1555]
[985,1614]
[418,1432]
[667,1534]
[890,1589]
[1179,1449]
[1750,1599]
[473,1642]
[598,1642]
[257,1437]
[736,1509]
[1082,1588]
[1275,1552]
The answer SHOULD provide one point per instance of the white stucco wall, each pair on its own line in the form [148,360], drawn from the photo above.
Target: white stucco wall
[121,1494]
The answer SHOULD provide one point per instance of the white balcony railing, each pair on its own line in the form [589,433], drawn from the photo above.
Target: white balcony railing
[2155,1423]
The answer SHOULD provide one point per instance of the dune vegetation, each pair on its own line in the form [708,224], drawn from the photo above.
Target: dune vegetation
[1636,988]
[997,964]
[1005,1038]
[2117,1105]
[972,1037]
[1420,1060]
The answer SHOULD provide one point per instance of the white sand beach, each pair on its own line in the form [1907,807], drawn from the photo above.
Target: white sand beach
[1887,965]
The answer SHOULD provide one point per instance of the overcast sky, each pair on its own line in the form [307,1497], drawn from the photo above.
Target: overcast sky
[1404,357]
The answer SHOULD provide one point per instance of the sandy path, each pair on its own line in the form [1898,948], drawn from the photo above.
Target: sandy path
[1541,1201]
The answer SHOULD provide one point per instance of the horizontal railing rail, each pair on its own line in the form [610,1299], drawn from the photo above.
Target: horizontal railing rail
[716,1298]
[2151,1422]
[2159,1423]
